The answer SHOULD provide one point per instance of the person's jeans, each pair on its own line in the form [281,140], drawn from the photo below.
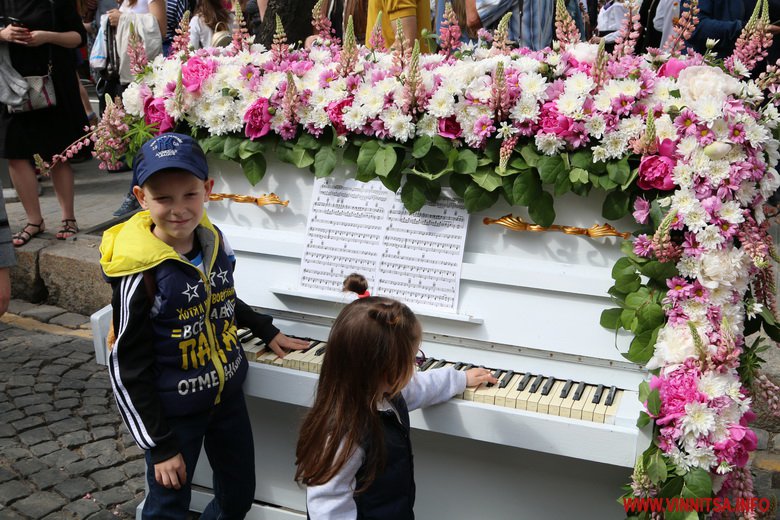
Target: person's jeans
[226,435]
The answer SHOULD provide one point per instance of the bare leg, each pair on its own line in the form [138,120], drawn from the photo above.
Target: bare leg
[84,97]
[26,185]
[62,179]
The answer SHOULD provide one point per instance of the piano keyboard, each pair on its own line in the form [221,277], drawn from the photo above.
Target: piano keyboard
[537,393]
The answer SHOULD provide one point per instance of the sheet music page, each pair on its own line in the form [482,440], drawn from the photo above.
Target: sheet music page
[357,227]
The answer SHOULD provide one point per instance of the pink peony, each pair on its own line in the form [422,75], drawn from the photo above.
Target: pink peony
[335,113]
[449,128]
[672,68]
[154,113]
[258,118]
[195,71]
[655,171]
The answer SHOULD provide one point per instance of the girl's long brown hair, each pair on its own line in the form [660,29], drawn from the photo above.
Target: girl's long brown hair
[370,354]
[213,12]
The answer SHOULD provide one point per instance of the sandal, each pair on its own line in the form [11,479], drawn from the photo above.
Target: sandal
[24,236]
[67,230]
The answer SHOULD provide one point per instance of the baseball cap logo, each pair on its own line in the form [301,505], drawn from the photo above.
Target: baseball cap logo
[166,145]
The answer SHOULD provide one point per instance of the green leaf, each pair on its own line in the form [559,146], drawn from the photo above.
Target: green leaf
[550,168]
[656,468]
[659,271]
[507,186]
[654,402]
[644,391]
[518,163]
[526,188]
[582,159]
[619,171]
[627,318]
[213,144]
[530,155]
[650,316]
[616,205]
[672,488]
[643,420]
[541,209]
[434,162]
[392,181]
[365,159]
[773,331]
[300,157]
[578,175]
[477,199]
[350,153]
[487,178]
[232,144]
[699,483]
[249,148]
[384,160]
[421,146]
[254,168]
[308,142]
[562,185]
[459,183]
[641,349]
[493,150]
[605,182]
[628,283]
[413,193]
[610,318]
[466,161]
[638,298]
[445,145]
[325,161]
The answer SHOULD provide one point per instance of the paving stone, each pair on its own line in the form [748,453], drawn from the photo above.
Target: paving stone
[49,477]
[112,496]
[74,384]
[27,467]
[99,382]
[14,490]
[95,392]
[109,459]
[67,426]
[54,416]
[58,515]
[75,439]
[11,415]
[27,423]
[136,484]
[103,432]
[75,488]
[15,453]
[61,393]
[44,388]
[44,448]
[91,410]
[43,312]
[129,507]
[19,392]
[106,478]
[40,504]
[6,475]
[16,306]
[38,409]
[54,369]
[70,320]
[49,378]
[104,514]
[133,452]
[134,468]
[61,458]
[7,430]
[23,381]
[10,514]
[29,400]
[83,467]
[82,509]
[762,438]
[32,437]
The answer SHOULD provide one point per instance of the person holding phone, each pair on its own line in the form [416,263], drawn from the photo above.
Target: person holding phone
[41,35]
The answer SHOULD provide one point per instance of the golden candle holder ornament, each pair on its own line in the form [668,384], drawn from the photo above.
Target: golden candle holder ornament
[262,200]
[518,224]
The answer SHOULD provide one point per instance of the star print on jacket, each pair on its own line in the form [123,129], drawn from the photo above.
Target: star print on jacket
[190,292]
[222,275]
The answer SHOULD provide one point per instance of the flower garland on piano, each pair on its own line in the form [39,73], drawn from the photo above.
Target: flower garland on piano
[686,143]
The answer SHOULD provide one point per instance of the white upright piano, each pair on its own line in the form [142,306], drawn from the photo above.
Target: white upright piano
[529,303]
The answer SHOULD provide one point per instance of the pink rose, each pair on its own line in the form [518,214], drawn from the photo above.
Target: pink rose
[655,171]
[195,71]
[672,68]
[154,113]
[258,119]
[450,128]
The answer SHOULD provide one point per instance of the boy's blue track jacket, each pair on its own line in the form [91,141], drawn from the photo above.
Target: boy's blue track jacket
[176,354]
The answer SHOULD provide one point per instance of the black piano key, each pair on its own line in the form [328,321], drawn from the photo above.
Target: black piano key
[467,366]
[427,364]
[320,351]
[524,382]
[497,374]
[314,343]
[245,335]
[566,388]
[537,383]
[441,364]
[459,365]
[548,386]
[611,396]
[597,394]
[505,380]
[578,392]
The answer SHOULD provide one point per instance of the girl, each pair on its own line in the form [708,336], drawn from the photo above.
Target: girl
[354,452]
[211,16]
[356,283]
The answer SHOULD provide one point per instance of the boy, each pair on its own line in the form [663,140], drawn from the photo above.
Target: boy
[176,367]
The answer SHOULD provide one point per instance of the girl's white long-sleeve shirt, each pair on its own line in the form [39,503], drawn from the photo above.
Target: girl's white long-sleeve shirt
[333,500]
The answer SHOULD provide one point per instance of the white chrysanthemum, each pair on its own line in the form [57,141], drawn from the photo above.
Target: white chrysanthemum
[399,125]
[664,128]
[632,127]
[751,92]
[533,85]
[689,266]
[746,193]
[682,175]
[526,109]
[570,104]
[386,86]
[771,116]
[549,144]
[756,134]
[731,212]
[769,183]
[708,108]
[684,200]
[615,144]
[687,146]
[481,89]
[714,384]
[710,237]
[678,458]
[701,457]
[131,99]
[674,345]
[772,149]
[718,171]
[697,313]
[354,118]
[698,419]
[373,104]
[599,154]
[527,64]
[579,84]
[722,267]
[629,87]
[319,54]
[427,125]
[595,125]
[441,104]
[603,102]
[696,218]
[505,130]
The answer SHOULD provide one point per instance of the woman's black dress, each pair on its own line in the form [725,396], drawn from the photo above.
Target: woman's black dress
[50,130]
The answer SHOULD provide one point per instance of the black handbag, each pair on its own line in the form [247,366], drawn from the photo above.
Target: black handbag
[108,80]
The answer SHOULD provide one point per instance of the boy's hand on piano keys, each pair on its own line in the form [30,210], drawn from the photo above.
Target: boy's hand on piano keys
[477,376]
[281,343]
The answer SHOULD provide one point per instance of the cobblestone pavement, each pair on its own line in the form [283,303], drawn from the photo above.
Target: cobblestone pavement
[64,452]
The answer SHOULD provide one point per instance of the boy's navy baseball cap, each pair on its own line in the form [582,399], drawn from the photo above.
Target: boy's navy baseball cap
[170,151]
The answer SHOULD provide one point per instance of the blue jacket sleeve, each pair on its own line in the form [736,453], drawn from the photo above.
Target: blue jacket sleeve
[727,31]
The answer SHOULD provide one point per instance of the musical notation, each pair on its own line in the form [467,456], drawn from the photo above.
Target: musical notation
[362,227]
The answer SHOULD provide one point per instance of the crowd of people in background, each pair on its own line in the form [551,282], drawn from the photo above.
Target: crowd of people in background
[62,32]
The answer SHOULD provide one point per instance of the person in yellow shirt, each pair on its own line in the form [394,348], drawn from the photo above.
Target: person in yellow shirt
[415,15]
